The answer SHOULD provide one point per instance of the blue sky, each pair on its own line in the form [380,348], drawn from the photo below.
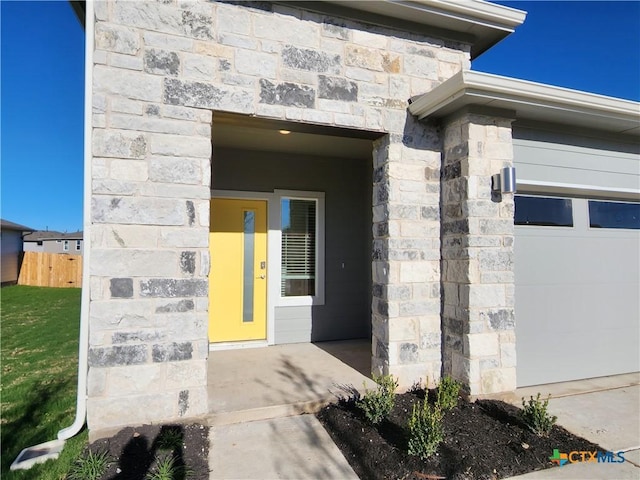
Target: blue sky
[591,46]
[42,115]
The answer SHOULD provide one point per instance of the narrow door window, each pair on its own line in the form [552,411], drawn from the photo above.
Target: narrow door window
[248,273]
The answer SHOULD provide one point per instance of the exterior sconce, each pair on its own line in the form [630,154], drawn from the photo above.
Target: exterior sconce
[505,181]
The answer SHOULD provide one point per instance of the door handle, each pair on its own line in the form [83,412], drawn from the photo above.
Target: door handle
[262,277]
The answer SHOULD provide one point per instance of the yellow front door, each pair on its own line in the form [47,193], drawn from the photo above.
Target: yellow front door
[238,275]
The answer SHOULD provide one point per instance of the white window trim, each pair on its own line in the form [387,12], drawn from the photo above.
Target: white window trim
[276,263]
[65,245]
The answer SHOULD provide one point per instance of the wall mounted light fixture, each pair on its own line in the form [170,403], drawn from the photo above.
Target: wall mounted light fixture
[505,181]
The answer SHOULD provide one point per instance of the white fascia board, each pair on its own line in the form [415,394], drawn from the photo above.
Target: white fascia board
[463,12]
[524,97]
[476,11]
[483,23]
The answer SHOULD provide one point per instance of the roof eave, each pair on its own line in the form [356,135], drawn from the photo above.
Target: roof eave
[530,101]
[485,23]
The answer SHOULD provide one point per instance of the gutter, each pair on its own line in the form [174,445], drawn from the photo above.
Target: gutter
[479,23]
[83,348]
[51,450]
[478,11]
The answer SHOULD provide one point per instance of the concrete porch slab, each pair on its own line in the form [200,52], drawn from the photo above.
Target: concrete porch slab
[269,382]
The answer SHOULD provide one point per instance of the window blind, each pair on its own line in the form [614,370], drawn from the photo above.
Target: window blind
[298,247]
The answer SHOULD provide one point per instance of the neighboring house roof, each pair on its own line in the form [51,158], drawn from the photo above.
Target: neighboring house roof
[52,235]
[7,225]
[478,23]
[529,101]
[80,9]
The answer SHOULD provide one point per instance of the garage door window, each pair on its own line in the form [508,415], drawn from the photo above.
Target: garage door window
[614,215]
[543,211]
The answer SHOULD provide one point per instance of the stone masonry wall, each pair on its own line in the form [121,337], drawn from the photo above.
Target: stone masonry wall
[406,254]
[160,70]
[477,255]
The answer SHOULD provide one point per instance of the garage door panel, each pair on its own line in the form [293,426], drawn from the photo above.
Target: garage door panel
[578,259]
[577,306]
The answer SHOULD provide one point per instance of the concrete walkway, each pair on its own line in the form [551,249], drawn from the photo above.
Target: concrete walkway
[281,448]
[258,395]
[605,411]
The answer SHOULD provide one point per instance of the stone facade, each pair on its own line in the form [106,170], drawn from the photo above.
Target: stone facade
[161,72]
[477,254]
[406,255]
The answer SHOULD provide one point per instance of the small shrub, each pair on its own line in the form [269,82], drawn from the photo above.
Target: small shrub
[91,466]
[170,438]
[447,393]
[167,468]
[535,416]
[425,430]
[377,404]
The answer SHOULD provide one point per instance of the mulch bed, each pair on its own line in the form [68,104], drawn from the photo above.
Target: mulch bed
[482,440]
[134,451]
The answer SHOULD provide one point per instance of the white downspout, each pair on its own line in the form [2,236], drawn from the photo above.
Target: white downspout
[83,348]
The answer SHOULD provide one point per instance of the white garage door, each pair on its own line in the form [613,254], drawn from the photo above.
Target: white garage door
[577,266]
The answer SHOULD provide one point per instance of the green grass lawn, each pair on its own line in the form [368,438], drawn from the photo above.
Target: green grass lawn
[39,361]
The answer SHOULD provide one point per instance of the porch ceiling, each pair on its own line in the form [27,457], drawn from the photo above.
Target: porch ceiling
[251,133]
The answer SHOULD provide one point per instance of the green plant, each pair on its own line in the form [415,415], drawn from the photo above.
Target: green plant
[170,438]
[90,466]
[377,404]
[166,468]
[447,393]
[425,429]
[536,417]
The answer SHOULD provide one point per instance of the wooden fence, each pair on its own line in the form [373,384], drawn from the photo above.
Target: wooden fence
[41,269]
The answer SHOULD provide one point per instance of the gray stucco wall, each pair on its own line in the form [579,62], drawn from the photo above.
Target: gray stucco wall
[347,187]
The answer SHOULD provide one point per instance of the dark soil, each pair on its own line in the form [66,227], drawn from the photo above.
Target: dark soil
[134,452]
[482,440]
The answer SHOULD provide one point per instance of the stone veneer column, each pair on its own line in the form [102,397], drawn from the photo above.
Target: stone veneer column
[477,254]
[406,255]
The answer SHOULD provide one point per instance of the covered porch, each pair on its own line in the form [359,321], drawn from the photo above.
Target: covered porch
[259,383]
